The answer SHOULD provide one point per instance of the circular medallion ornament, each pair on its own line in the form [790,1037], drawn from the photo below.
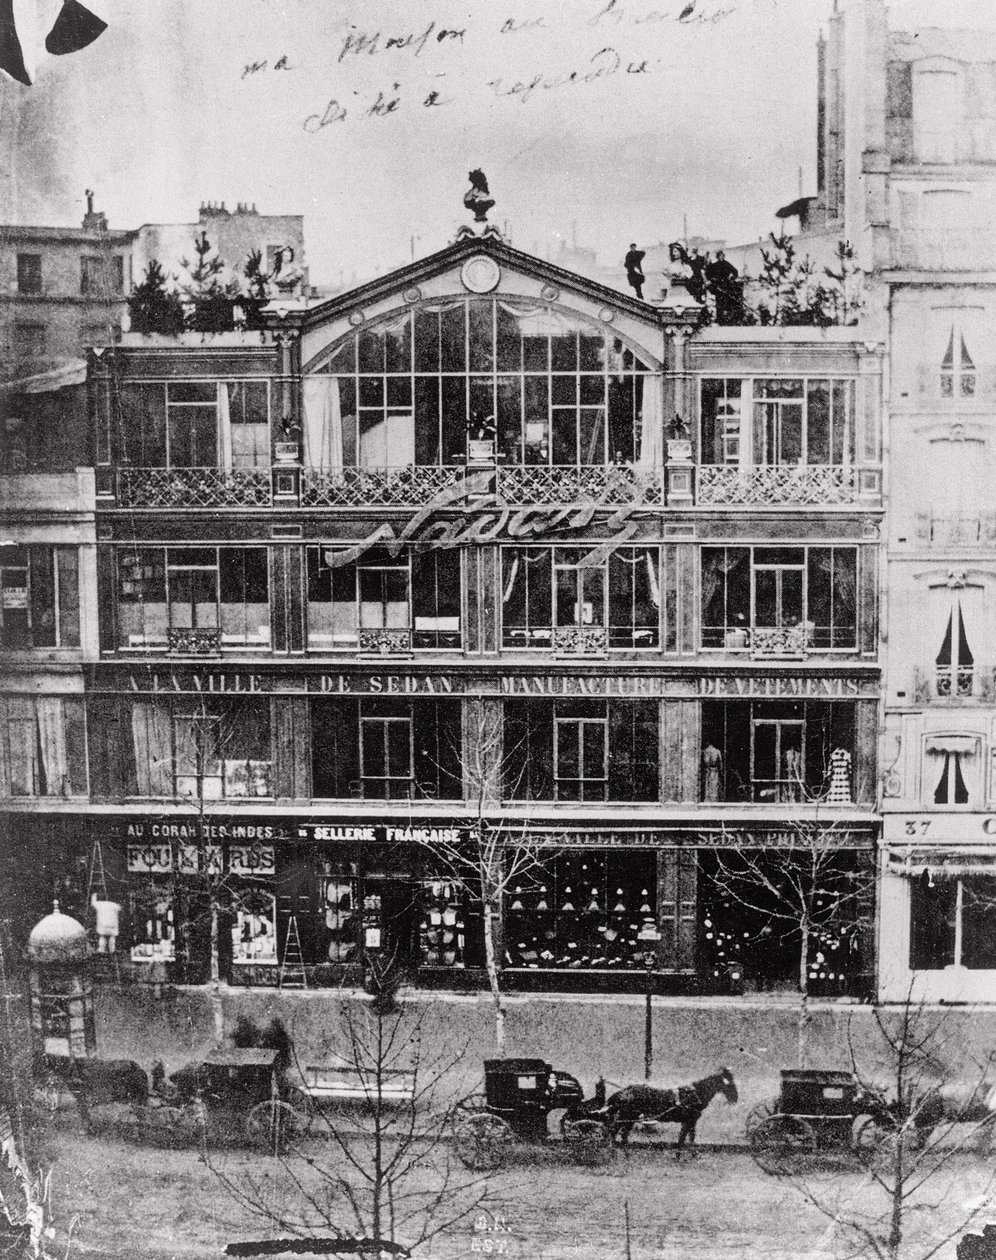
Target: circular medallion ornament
[480,274]
[606,314]
[356,318]
[412,295]
[549,294]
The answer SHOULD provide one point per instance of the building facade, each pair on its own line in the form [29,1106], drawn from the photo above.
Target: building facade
[908,171]
[481,544]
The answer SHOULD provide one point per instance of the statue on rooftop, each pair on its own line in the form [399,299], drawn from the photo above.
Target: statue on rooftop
[477,197]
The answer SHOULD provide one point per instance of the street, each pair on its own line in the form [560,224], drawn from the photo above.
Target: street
[115,1198]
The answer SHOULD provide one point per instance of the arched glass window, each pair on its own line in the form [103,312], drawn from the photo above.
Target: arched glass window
[539,386]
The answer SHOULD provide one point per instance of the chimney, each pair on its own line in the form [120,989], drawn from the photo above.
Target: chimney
[93,220]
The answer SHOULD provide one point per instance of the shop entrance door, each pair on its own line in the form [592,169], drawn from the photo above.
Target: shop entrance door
[390,921]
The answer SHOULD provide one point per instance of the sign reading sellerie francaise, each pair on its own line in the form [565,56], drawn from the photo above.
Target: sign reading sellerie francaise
[684,686]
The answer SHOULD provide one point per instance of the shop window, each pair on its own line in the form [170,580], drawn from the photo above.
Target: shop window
[339,898]
[414,598]
[254,927]
[547,387]
[39,597]
[29,273]
[957,368]
[386,749]
[777,752]
[219,594]
[952,922]
[153,922]
[443,924]
[779,599]
[955,663]
[195,424]
[582,911]
[750,907]
[42,746]
[551,597]
[560,750]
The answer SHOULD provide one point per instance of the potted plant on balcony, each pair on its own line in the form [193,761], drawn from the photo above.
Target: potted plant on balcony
[287,448]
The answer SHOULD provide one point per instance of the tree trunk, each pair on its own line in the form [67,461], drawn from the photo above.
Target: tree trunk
[217,1010]
[494,980]
[802,1021]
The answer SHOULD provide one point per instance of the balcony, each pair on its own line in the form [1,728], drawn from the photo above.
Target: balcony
[783,485]
[410,486]
[193,488]
[580,640]
[193,641]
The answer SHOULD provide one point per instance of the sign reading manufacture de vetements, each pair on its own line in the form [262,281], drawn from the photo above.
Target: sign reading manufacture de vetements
[746,686]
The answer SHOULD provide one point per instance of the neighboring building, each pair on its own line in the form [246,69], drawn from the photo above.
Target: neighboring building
[234,235]
[908,173]
[480,558]
[61,289]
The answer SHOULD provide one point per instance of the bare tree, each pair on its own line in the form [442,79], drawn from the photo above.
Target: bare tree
[800,894]
[492,856]
[386,1171]
[914,1152]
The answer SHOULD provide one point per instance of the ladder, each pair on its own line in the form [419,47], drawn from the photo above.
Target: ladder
[292,970]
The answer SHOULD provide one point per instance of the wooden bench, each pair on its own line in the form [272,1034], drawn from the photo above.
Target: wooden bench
[345,1083]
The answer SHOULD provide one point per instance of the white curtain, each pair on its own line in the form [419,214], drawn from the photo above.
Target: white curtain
[21,777]
[224,428]
[151,729]
[322,424]
[389,444]
[651,454]
[52,741]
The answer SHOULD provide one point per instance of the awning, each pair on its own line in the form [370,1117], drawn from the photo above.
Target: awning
[72,372]
[942,861]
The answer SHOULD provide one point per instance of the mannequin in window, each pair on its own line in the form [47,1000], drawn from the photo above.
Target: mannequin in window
[712,773]
[840,777]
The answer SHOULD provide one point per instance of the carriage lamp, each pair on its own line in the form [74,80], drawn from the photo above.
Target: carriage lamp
[649,936]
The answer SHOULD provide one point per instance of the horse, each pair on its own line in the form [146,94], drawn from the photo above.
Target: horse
[683,1105]
[95,1081]
[952,1104]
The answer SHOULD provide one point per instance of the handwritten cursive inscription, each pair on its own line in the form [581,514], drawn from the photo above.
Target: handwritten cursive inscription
[489,522]
[603,65]
[358,43]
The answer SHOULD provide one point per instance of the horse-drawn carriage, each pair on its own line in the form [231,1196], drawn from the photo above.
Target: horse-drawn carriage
[239,1093]
[520,1094]
[819,1112]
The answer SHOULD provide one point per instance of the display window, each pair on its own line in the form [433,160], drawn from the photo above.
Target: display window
[953,922]
[340,908]
[254,926]
[153,922]
[442,928]
[582,910]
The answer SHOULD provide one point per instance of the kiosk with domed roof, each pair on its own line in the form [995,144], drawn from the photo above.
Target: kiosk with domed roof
[62,1020]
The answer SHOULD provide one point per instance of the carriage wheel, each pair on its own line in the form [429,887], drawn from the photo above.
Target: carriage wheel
[473,1104]
[274,1125]
[483,1141]
[590,1141]
[760,1112]
[779,1142]
[302,1103]
[876,1142]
